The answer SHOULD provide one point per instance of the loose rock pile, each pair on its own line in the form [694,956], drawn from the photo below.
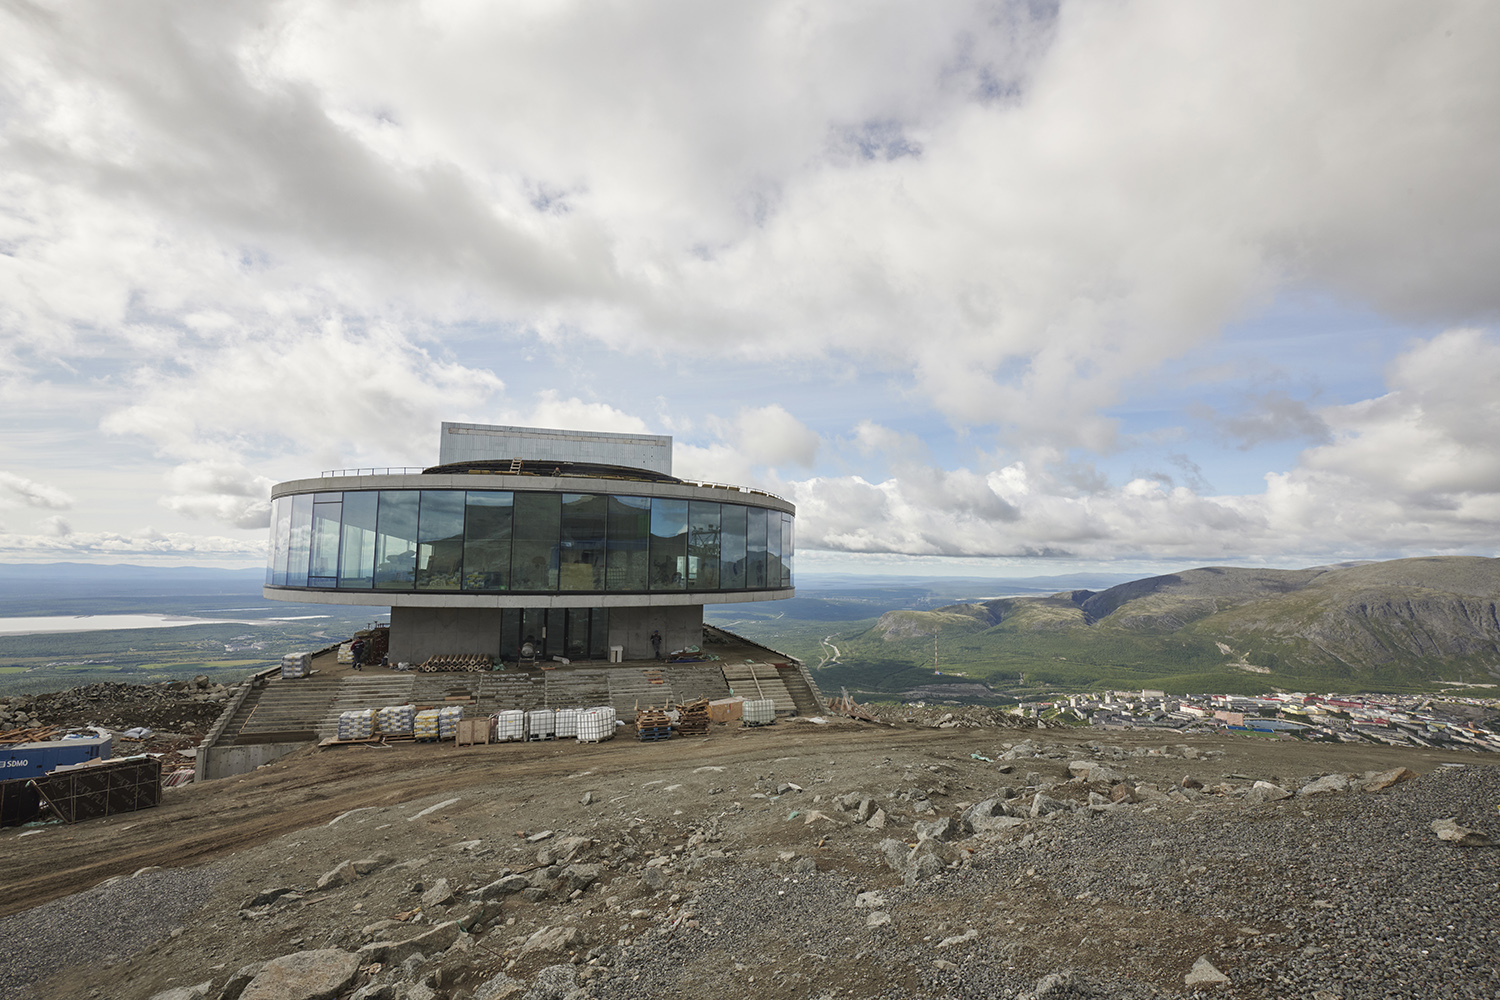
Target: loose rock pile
[176,706]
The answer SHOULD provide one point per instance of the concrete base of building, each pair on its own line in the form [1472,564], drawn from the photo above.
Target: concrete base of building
[418,633]
[226,762]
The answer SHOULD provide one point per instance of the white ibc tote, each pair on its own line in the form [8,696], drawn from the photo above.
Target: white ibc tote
[595,724]
[510,725]
[567,723]
[541,724]
[759,712]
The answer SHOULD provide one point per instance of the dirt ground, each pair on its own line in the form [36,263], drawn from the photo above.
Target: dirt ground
[699,803]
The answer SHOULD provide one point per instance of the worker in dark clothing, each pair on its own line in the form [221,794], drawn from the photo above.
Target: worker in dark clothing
[656,644]
[357,650]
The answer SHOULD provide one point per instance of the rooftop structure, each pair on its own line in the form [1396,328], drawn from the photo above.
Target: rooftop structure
[582,543]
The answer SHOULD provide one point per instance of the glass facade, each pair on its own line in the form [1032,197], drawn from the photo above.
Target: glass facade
[526,542]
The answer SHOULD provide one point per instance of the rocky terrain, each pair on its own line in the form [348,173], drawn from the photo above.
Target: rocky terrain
[183,707]
[802,860]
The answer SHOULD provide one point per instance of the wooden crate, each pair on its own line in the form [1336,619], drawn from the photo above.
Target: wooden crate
[472,731]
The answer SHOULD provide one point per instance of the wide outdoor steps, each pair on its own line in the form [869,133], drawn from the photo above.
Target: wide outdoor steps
[300,710]
[365,691]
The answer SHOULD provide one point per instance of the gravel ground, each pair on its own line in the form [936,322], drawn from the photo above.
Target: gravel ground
[742,865]
[100,926]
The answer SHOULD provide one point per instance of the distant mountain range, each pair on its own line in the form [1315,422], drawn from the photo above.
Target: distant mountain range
[1408,623]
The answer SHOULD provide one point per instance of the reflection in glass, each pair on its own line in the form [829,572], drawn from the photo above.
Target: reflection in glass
[787,549]
[581,549]
[703,545]
[577,647]
[629,535]
[534,552]
[440,532]
[755,548]
[300,545]
[732,548]
[668,544]
[487,535]
[323,567]
[540,542]
[396,540]
[599,634]
[773,549]
[282,524]
[357,555]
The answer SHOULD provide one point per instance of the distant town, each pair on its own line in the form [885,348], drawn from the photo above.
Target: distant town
[1393,720]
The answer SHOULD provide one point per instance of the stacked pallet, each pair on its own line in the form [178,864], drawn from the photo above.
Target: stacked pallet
[358,725]
[448,720]
[448,663]
[652,724]
[425,725]
[36,734]
[397,720]
[692,718]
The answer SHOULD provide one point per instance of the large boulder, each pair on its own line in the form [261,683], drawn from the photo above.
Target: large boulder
[304,975]
[1326,785]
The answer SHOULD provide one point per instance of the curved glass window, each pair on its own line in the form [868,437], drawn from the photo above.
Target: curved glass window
[301,541]
[440,534]
[773,549]
[533,563]
[581,548]
[487,541]
[487,538]
[628,546]
[281,523]
[732,548]
[669,522]
[396,539]
[704,529]
[357,550]
[323,565]
[787,549]
[755,549]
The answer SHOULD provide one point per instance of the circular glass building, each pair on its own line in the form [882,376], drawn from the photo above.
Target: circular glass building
[577,542]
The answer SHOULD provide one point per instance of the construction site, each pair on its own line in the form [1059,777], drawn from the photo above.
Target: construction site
[272,715]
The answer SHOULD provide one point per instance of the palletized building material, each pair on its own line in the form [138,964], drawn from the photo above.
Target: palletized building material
[397,720]
[541,724]
[357,725]
[758,712]
[725,709]
[448,720]
[596,724]
[425,725]
[296,665]
[510,725]
[567,723]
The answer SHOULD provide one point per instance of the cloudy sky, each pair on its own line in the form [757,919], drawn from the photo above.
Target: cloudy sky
[984,287]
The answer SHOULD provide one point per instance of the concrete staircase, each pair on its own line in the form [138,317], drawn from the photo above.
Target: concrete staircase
[691,681]
[785,686]
[576,688]
[357,693]
[283,711]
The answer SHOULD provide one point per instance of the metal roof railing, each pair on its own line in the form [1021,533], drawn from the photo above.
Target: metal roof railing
[392,470]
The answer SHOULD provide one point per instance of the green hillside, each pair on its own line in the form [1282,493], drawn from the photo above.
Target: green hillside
[1405,625]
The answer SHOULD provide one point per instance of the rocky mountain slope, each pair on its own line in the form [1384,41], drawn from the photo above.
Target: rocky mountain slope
[797,861]
[1394,624]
